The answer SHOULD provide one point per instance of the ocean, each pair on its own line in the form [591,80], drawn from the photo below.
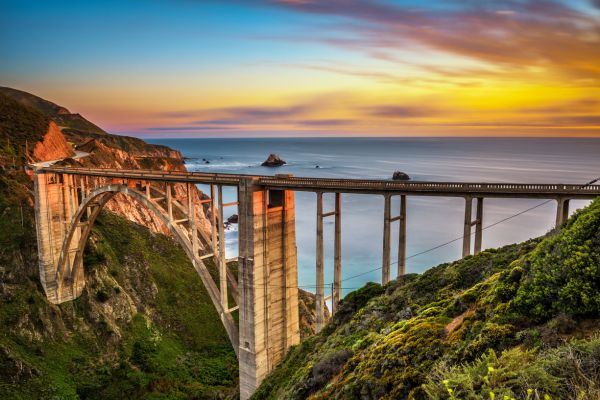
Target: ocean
[430,220]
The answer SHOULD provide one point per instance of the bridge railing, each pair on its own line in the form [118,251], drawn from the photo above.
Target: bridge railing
[430,186]
[335,183]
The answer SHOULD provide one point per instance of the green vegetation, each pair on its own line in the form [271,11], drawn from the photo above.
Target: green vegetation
[520,322]
[75,123]
[144,327]
[20,126]
[517,322]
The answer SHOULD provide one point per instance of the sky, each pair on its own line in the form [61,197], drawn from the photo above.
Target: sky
[191,68]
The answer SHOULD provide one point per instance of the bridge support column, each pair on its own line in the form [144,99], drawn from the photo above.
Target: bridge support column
[336,294]
[385,259]
[55,201]
[320,278]
[221,257]
[467,226]
[268,281]
[479,226]
[562,211]
[402,237]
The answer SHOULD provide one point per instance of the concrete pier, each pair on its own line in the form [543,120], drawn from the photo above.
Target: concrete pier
[268,282]
[55,203]
[479,226]
[319,268]
[402,237]
[467,227]
[562,211]
[385,259]
[336,292]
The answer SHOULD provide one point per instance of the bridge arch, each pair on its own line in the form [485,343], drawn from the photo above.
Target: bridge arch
[70,269]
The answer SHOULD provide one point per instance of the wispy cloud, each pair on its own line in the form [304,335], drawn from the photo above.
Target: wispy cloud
[401,111]
[513,35]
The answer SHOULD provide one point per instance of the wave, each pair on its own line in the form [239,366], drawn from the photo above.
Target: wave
[231,165]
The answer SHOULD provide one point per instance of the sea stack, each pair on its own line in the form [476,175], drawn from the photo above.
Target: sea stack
[400,176]
[273,161]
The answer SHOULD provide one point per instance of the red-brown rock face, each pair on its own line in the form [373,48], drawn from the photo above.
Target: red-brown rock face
[53,146]
[158,158]
[122,153]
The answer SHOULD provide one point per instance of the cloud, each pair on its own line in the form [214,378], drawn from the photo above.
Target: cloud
[586,104]
[386,77]
[332,122]
[183,128]
[400,111]
[513,35]
[577,120]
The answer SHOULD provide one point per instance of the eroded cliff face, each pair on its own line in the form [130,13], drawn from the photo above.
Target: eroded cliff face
[132,153]
[53,145]
[308,314]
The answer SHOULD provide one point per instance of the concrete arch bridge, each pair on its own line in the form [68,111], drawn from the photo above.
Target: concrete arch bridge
[265,292]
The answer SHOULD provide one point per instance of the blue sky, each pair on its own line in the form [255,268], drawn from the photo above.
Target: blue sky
[312,67]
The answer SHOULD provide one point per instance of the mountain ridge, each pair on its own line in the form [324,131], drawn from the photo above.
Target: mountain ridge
[144,326]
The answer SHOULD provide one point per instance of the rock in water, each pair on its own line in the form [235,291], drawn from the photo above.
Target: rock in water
[400,176]
[273,161]
[230,221]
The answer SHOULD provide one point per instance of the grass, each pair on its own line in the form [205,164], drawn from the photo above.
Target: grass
[144,326]
[173,347]
[528,311]
[20,127]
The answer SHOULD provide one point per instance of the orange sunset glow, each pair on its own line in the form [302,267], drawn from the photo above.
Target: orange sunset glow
[317,68]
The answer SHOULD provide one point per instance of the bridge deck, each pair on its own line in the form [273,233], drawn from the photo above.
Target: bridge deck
[366,186]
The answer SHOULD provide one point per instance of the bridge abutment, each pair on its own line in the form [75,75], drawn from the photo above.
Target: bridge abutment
[55,203]
[268,281]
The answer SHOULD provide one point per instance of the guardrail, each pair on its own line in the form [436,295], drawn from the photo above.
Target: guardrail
[342,185]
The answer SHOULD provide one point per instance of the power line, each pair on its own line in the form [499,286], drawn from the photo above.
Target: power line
[463,236]
[434,247]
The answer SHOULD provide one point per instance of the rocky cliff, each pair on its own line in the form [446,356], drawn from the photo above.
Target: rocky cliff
[53,145]
[105,151]
[132,153]
[144,326]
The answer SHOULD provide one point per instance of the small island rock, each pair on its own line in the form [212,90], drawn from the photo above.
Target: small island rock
[273,161]
[400,176]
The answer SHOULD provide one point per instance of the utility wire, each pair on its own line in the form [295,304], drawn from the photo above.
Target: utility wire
[434,247]
[463,236]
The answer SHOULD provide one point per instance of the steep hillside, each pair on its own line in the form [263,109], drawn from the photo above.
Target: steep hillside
[73,123]
[144,326]
[22,120]
[520,322]
[79,130]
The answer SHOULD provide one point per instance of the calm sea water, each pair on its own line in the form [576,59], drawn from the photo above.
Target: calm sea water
[431,220]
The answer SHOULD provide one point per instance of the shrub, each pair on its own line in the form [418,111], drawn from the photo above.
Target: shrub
[325,369]
[512,374]
[102,295]
[564,271]
[571,371]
